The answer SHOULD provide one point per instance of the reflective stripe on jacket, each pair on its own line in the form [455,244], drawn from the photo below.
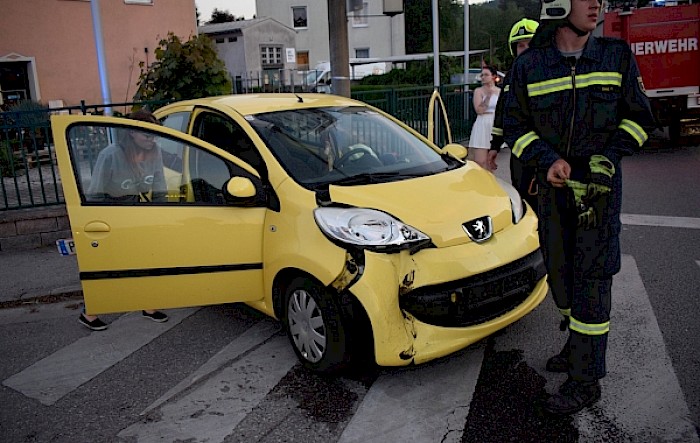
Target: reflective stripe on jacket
[557,108]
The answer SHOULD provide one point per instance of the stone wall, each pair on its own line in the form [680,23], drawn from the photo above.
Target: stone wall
[33,228]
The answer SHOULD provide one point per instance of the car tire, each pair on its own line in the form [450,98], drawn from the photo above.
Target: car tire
[315,326]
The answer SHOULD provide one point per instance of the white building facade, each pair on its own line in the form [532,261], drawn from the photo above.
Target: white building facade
[257,53]
[371,34]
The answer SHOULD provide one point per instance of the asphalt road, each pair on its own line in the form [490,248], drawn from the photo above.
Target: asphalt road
[226,374]
[664,182]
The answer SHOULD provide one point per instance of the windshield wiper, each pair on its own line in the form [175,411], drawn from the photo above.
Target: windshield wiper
[374,177]
[453,162]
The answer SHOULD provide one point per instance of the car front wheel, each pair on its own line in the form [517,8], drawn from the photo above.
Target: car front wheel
[315,326]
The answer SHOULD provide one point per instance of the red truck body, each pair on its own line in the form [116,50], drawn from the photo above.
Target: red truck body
[665,43]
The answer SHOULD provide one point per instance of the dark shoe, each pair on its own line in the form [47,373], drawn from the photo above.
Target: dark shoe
[567,386]
[95,325]
[572,397]
[157,316]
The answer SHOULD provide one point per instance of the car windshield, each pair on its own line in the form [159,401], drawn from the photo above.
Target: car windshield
[346,146]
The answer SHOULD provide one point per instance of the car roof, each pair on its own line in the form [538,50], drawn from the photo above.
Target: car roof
[248,104]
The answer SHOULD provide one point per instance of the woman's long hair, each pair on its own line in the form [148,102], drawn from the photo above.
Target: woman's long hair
[131,150]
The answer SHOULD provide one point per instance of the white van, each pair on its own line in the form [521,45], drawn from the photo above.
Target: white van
[319,79]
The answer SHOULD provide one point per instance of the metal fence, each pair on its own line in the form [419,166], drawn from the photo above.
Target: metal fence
[30,178]
[28,168]
[410,105]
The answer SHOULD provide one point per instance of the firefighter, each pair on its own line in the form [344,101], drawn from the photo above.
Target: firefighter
[521,175]
[576,106]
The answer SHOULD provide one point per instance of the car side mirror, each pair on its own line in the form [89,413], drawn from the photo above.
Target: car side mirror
[240,187]
[455,150]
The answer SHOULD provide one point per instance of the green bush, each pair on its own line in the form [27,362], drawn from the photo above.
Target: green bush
[8,163]
[417,73]
[30,114]
[183,71]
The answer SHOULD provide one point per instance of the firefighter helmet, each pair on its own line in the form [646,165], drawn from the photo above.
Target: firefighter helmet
[521,30]
[555,9]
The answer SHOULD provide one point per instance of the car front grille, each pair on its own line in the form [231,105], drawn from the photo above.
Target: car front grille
[476,299]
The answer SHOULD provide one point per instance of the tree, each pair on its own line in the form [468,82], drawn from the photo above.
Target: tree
[183,71]
[529,8]
[418,18]
[489,25]
[218,16]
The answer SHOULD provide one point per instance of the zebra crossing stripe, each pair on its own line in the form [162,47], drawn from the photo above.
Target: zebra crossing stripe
[216,404]
[63,371]
[252,337]
[660,221]
[642,398]
[648,400]
[426,403]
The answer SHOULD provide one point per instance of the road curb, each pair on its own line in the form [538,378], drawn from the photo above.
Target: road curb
[55,296]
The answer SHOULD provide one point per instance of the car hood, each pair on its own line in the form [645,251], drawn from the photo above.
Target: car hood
[437,205]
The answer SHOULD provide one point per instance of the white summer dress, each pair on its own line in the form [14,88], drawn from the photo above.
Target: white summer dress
[481,131]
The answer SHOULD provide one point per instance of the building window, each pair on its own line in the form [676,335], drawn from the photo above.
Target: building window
[271,55]
[303,60]
[299,17]
[359,18]
[362,53]
[232,39]
[220,40]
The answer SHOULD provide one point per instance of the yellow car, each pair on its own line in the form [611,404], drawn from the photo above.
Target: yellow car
[366,240]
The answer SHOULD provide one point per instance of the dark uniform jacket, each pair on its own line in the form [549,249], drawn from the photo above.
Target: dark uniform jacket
[558,107]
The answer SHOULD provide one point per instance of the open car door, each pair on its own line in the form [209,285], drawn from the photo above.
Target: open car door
[435,116]
[437,113]
[150,241]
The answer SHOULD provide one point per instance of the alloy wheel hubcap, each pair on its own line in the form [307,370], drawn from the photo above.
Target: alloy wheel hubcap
[306,325]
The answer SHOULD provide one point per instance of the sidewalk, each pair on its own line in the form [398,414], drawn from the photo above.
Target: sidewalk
[37,275]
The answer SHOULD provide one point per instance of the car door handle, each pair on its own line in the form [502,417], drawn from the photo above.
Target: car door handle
[97,227]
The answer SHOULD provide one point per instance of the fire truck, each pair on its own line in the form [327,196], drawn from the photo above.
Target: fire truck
[664,39]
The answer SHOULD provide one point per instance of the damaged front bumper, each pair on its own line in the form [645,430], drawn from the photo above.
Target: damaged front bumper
[437,301]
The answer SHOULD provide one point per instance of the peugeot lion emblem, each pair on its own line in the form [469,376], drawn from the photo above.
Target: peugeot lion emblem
[479,229]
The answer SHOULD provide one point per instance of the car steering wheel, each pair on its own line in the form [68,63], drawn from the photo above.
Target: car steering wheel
[355,153]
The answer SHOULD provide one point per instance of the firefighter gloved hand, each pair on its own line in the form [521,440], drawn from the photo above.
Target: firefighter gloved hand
[585,213]
[580,190]
[602,171]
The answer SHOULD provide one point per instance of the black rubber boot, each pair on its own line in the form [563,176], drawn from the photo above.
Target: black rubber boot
[572,397]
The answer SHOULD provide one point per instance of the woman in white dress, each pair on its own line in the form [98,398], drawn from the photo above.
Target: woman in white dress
[485,98]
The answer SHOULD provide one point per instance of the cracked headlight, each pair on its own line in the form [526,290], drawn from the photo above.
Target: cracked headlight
[368,228]
[517,204]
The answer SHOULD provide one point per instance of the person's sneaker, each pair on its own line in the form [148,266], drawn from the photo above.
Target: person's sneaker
[156,316]
[572,397]
[95,325]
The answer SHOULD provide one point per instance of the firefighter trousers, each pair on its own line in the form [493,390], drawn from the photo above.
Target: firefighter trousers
[580,265]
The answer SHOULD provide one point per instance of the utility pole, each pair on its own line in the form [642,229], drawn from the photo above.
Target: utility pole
[466,45]
[436,44]
[338,46]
